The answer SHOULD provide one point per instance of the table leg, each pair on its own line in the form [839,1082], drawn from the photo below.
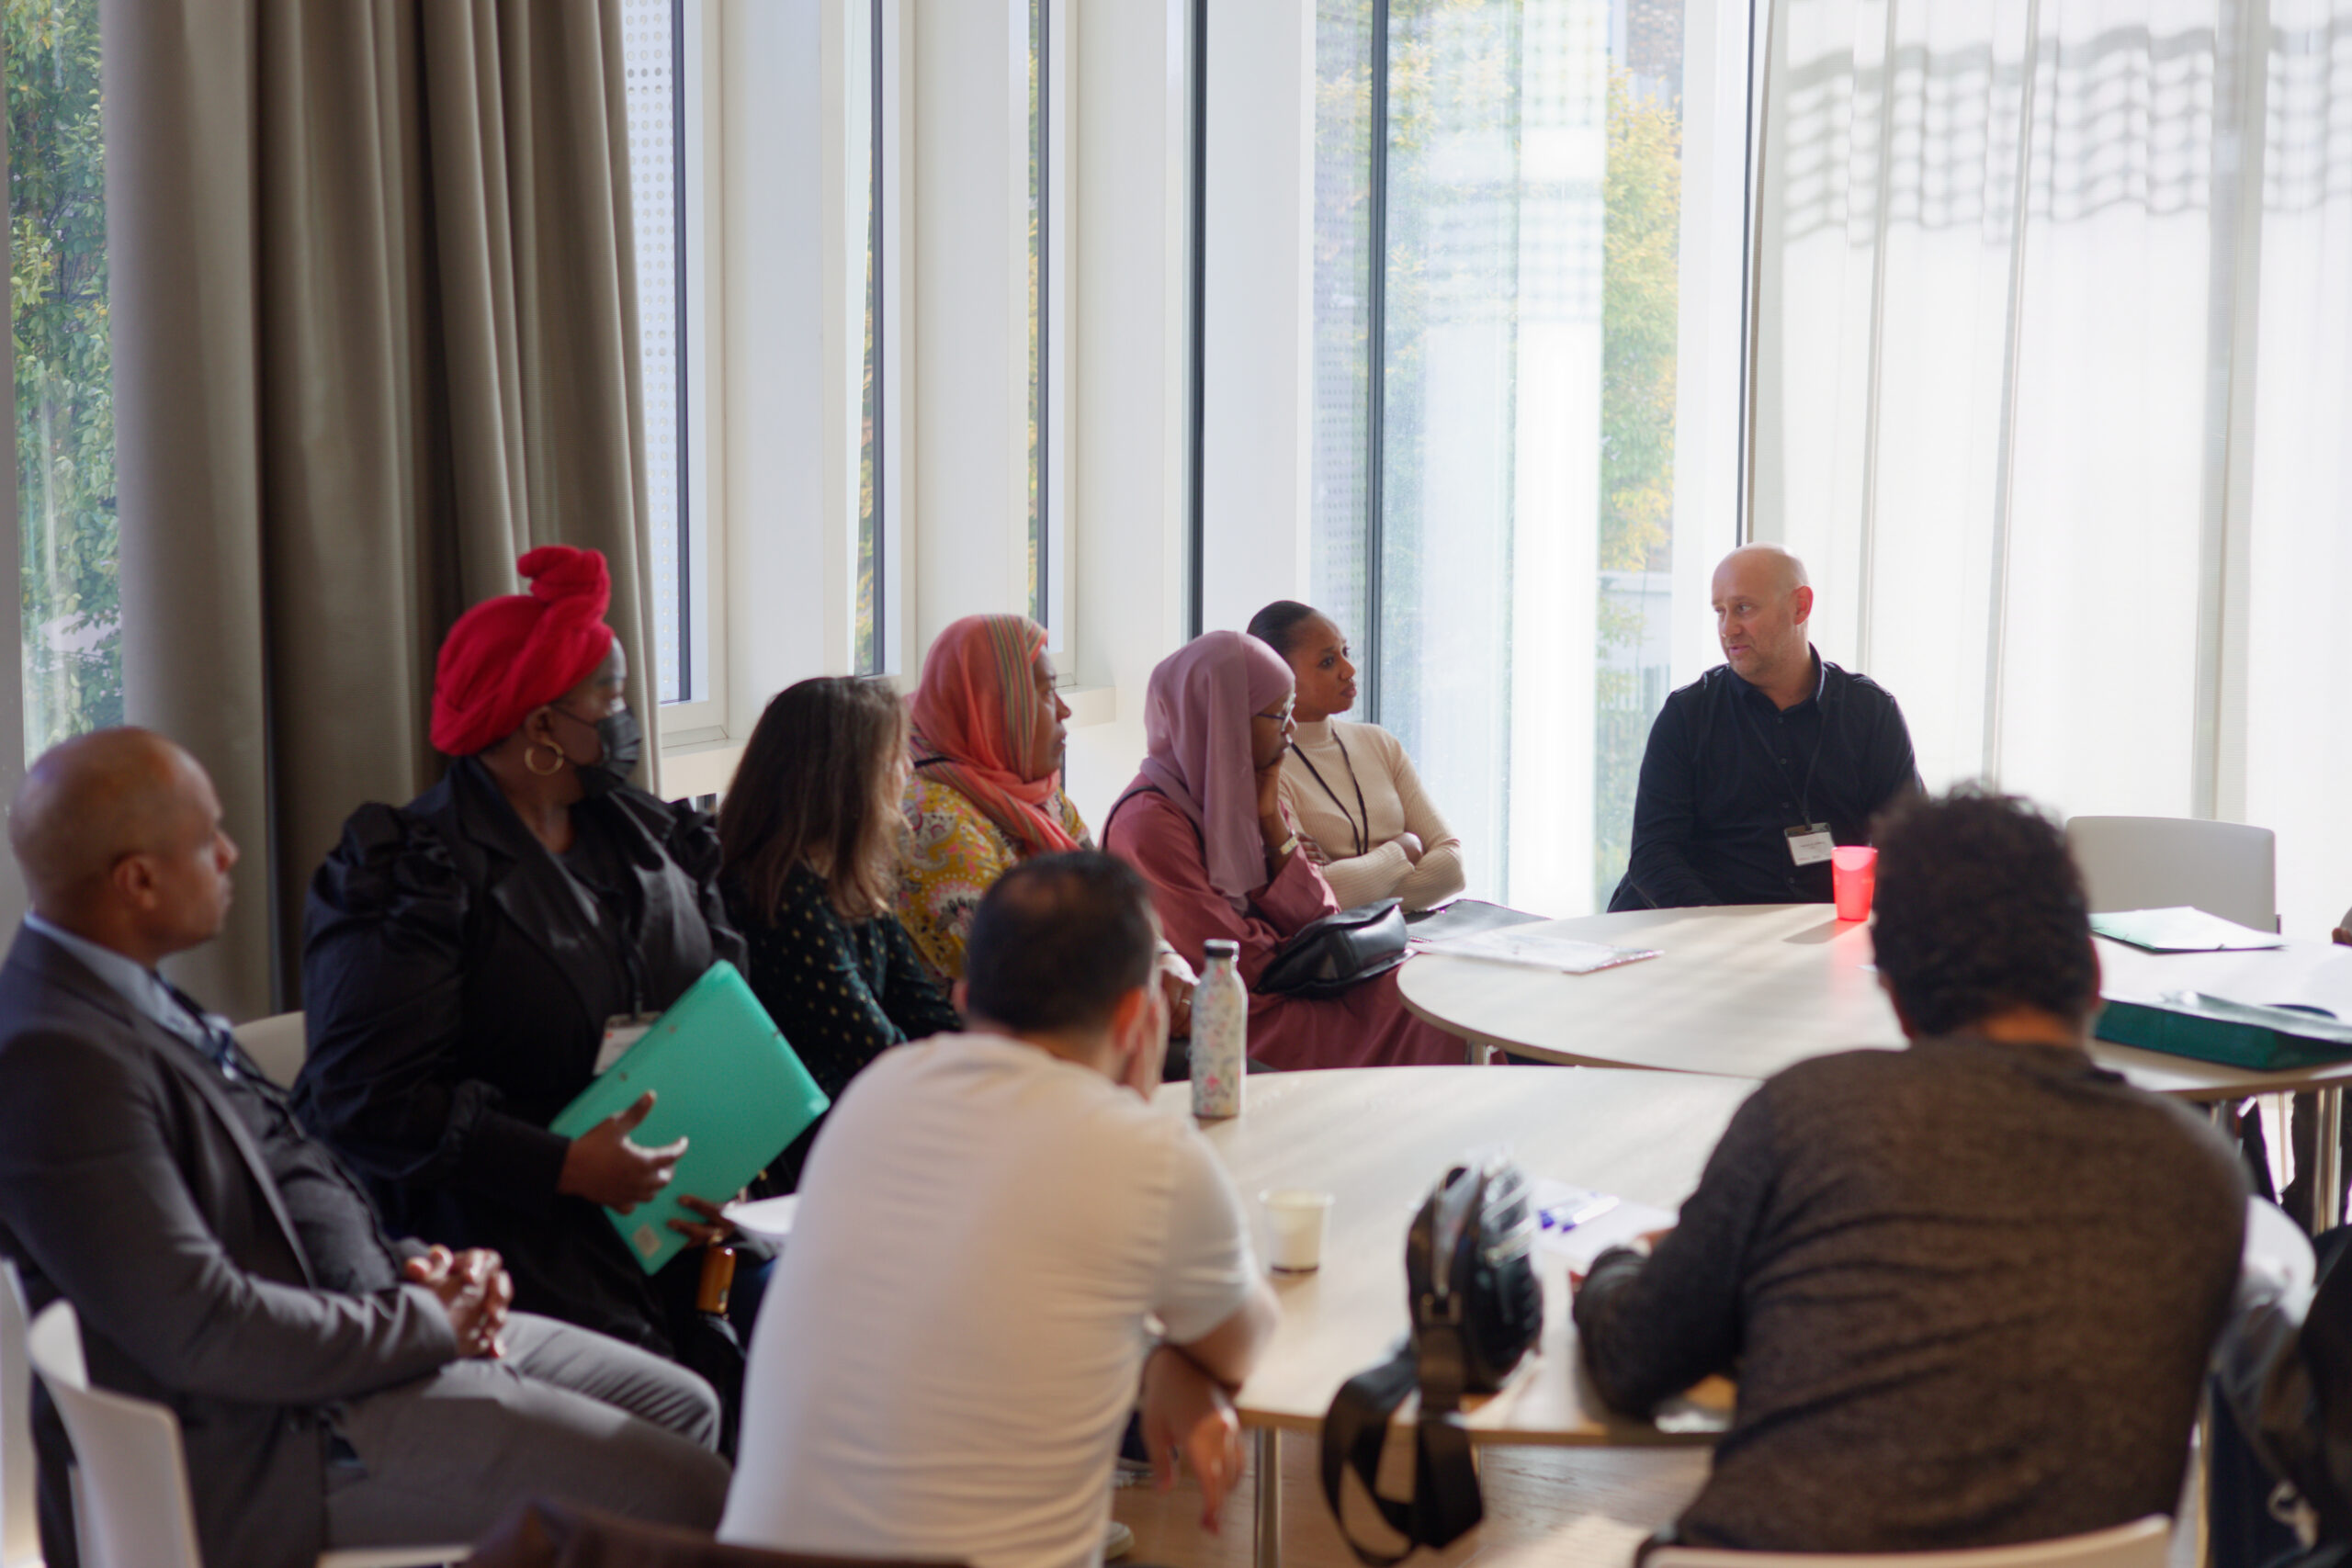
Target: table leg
[2327,1162]
[2201,1483]
[1270,1497]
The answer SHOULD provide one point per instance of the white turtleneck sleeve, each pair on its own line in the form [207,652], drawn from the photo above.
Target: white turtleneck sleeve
[1355,794]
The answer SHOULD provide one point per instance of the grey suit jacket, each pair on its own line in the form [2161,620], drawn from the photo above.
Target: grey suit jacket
[129,1185]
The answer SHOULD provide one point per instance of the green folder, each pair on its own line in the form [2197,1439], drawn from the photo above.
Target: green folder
[2215,1029]
[724,1079]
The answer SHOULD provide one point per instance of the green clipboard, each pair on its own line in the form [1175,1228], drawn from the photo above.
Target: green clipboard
[725,1079]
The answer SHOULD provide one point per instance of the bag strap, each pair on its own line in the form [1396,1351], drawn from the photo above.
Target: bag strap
[1113,816]
[1445,1502]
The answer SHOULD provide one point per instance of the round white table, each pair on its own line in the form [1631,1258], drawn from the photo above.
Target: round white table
[1377,1138]
[1746,991]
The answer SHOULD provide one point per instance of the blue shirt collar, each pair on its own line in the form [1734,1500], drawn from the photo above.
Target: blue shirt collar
[127,978]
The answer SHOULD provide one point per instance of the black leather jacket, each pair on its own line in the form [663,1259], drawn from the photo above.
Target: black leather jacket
[457,978]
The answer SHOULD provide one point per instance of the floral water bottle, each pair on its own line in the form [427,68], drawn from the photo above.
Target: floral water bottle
[1220,1030]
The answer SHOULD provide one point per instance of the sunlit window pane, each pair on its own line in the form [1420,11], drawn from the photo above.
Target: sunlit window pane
[57,266]
[1037,185]
[868,53]
[650,40]
[1510,470]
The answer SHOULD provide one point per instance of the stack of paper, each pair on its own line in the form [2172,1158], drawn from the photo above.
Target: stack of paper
[2182,930]
[1538,947]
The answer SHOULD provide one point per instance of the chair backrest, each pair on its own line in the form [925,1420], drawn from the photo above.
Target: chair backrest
[2277,1259]
[19,1517]
[276,1044]
[133,1496]
[2156,863]
[2145,1543]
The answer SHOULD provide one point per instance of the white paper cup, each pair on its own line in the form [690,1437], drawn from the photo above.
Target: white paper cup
[1295,1219]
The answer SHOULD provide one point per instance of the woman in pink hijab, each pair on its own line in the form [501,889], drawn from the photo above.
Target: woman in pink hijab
[1205,826]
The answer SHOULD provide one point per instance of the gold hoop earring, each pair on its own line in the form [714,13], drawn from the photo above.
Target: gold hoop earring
[537,770]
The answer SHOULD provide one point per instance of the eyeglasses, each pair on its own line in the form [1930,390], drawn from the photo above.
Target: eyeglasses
[1277,716]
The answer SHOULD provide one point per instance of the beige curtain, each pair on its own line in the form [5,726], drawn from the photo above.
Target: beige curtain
[375,335]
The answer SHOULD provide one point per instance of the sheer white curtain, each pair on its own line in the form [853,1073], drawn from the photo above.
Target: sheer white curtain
[2297,742]
[2018,263]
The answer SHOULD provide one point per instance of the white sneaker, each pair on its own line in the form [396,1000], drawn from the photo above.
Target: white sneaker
[1117,1541]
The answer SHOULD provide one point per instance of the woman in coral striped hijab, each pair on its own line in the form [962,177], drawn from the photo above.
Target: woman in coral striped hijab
[986,731]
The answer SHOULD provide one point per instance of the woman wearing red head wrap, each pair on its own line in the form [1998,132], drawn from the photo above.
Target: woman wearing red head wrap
[1205,823]
[465,956]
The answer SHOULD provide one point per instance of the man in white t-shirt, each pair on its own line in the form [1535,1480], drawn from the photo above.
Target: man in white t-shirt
[987,1226]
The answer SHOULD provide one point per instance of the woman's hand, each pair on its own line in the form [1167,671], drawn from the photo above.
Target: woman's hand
[1176,983]
[1270,796]
[715,1229]
[604,1167]
[1412,844]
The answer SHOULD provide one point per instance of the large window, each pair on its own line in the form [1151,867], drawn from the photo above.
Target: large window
[72,658]
[661,47]
[1499,267]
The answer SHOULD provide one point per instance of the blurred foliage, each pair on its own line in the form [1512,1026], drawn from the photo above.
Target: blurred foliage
[868,656]
[57,276]
[1640,312]
[1036,317]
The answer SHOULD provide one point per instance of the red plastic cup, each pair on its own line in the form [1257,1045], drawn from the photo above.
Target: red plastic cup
[1853,872]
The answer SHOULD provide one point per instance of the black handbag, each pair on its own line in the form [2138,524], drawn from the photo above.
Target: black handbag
[2288,1382]
[1477,1307]
[1326,958]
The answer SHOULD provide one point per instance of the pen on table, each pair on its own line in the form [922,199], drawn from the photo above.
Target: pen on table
[1591,1209]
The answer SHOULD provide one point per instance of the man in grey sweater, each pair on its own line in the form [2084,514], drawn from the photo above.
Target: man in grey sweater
[1968,1289]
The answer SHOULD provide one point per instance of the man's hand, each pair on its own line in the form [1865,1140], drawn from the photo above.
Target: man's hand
[474,1290]
[603,1166]
[715,1227]
[1188,1418]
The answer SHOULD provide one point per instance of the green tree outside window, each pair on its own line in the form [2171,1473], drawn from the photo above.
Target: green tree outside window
[57,274]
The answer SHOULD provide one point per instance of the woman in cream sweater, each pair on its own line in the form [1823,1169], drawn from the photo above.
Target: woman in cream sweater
[1361,812]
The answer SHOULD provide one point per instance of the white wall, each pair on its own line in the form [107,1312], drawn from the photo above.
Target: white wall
[789,168]
[1257,445]
[1131,346]
[770,340]
[967,521]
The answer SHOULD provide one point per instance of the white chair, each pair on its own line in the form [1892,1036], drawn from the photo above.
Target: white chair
[276,1044]
[19,1521]
[2159,863]
[2143,1543]
[2278,1260]
[133,1495]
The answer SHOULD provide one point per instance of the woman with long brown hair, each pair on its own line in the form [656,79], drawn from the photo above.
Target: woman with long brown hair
[809,841]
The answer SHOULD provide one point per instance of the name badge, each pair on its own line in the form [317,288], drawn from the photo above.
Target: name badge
[622,1030]
[1810,845]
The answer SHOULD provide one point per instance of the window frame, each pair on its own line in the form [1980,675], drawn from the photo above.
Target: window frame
[699,719]
[1057,562]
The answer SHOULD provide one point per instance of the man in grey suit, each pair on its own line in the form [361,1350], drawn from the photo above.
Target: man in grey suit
[335,1389]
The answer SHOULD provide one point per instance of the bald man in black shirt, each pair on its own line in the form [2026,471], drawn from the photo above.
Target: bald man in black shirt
[1756,769]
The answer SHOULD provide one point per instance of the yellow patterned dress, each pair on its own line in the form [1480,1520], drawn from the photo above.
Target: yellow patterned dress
[953,854]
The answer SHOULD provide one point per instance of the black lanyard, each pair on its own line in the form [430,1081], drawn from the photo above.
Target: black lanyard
[1363,835]
[1805,796]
